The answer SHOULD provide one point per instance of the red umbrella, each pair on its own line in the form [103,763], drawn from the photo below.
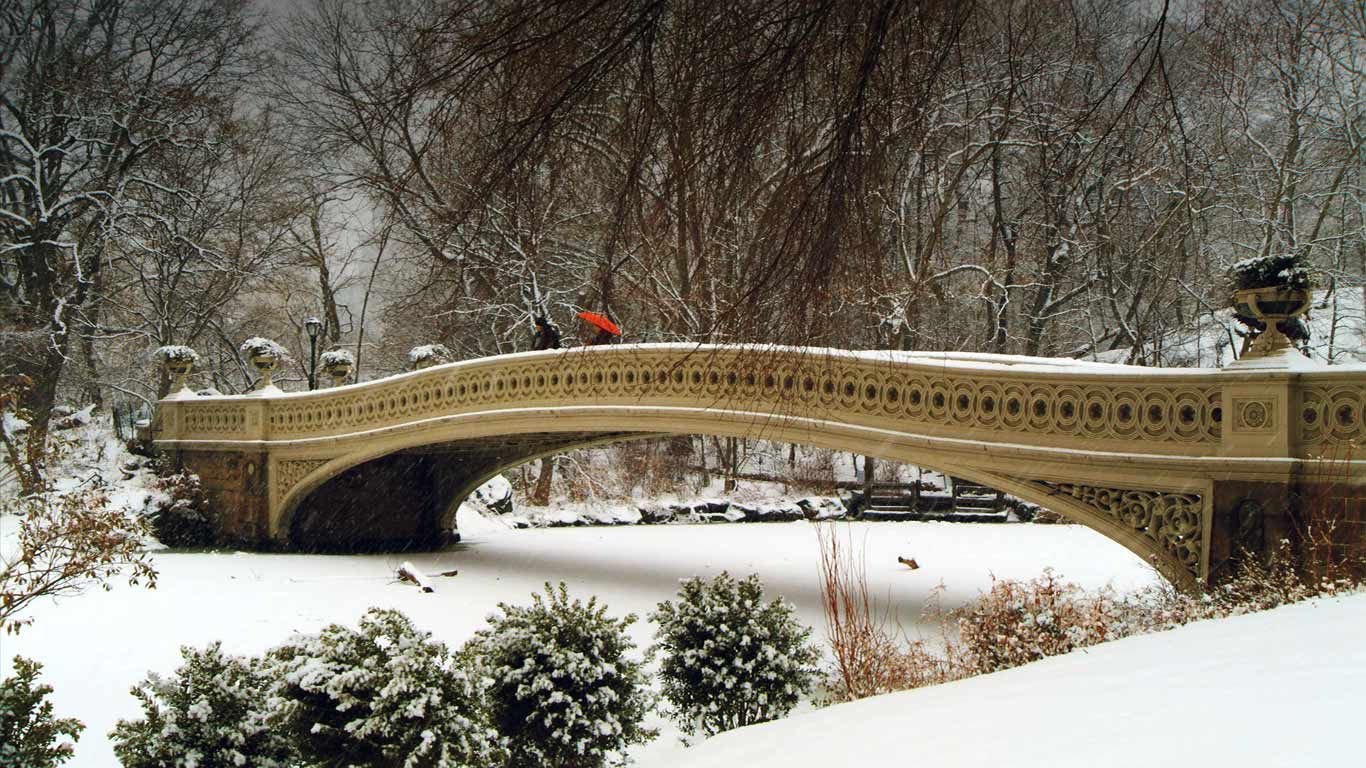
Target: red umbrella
[602,322]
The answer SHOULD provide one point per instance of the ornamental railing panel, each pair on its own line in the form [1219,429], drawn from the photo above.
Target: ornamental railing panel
[1085,406]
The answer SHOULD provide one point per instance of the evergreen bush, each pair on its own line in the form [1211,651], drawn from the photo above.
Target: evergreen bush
[383,694]
[258,346]
[729,659]
[30,737]
[1291,270]
[559,686]
[212,713]
[176,353]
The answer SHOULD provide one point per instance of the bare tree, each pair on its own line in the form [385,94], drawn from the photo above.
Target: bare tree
[91,93]
[1065,177]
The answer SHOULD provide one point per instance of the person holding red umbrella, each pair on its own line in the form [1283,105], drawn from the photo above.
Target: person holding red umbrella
[607,331]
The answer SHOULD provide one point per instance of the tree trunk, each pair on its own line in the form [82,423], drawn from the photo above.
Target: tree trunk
[37,376]
[92,393]
[541,495]
[732,463]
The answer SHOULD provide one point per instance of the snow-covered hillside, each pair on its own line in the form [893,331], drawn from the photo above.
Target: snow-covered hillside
[1337,327]
[1281,688]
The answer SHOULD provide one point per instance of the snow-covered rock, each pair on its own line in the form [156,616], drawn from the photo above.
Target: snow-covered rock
[822,508]
[778,513]
[698,511]
[493,497]
[74,419]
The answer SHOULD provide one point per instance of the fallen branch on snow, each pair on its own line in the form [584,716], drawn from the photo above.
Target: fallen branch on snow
[409,572]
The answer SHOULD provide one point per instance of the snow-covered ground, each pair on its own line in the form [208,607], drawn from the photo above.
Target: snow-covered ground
[1281,688]
[97,645]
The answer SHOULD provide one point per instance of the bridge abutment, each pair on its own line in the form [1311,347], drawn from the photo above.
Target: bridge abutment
[1249,520]
[1321,522]
[237,484]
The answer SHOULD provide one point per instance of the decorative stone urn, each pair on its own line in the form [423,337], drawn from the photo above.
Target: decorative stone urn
[265,356]
[337,364]
[178,361]
[266,365]
[1271,305]
[179,370]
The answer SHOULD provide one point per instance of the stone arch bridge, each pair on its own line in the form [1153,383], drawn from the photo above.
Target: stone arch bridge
[1185,467]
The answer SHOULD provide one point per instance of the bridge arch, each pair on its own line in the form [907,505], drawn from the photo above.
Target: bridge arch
[1158,460]
[600,425]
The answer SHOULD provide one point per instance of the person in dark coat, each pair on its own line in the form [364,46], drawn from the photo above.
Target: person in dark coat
[547,335]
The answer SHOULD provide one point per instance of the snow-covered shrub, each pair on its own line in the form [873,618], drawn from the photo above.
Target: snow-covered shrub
[181,513]
[257,346]
[433,354]
[212,713]
[730,659]
[1279,269]
[30,737]
[336,357]
[383,694]
[172,353]
[1256,584]
[1017,622]
[559,685]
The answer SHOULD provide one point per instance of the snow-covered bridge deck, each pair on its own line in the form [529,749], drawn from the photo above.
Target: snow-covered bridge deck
[1182,466]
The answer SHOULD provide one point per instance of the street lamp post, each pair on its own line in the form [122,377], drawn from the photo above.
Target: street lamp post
[313,326]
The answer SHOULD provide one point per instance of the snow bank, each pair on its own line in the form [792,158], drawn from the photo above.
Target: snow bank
[1282,688]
